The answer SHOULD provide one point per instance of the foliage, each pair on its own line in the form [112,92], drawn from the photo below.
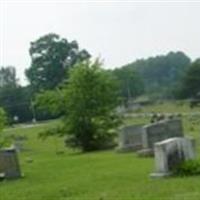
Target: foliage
[2,124]
[90,97]
[190,86]
[50,101]
[188,168]
[131,84]
[51,58]
[2,119]
[13,98]
[8,76]
[161,73]
[16,102]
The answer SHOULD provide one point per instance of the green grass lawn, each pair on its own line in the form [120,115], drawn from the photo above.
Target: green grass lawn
[103,175]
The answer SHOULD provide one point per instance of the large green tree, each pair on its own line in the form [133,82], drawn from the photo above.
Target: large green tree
[90,98]
[51,57]
[88,103]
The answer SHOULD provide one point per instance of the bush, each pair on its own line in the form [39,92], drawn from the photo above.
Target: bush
[2,124]
[2,119]
[188,168]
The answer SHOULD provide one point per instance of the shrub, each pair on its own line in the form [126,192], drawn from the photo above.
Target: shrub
[2,124]
[188,168]
[2,118]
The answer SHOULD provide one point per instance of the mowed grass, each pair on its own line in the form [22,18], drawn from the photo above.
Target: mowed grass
[103,175]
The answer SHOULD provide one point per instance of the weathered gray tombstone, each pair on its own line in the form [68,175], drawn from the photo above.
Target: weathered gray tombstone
[9,164]
[171,152]
[153,133]
[130,138]
[159,131]
[174,127]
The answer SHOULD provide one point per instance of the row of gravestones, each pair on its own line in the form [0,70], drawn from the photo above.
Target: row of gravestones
[164,139]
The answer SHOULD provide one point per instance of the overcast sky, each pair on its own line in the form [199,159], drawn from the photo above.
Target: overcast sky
[118,32]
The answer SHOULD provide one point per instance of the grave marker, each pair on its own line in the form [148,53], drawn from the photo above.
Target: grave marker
[170,153]
[9,165]
[130,138]
[160,131]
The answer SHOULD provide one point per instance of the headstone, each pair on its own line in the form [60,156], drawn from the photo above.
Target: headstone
[153,133]
[170,153]
[130,138]
[9,165]
[160,131]
[145,153]
[174,127]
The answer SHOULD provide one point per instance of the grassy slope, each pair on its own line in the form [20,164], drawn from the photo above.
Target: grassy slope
[170,107]
[102,175]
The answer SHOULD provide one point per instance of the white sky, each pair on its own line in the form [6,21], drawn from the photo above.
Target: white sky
[117,31]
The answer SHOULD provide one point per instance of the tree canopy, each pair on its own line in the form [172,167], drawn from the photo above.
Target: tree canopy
[51,58]
[50,101]
[161,73]
[8,77]
[130,82]
[190,86]
[14,99]
[91,97]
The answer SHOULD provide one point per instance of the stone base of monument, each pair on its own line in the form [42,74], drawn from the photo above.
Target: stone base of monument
[160,175]
[170,153]
[145,153]
[127,149]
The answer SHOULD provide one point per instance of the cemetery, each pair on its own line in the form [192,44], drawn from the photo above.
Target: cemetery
[119,170]
[99,100]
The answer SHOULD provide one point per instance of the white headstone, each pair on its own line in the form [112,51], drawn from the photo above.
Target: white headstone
[170,153]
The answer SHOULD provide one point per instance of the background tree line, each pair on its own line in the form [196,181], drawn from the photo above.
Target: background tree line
[159,74]
[51,59]
[166,76]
